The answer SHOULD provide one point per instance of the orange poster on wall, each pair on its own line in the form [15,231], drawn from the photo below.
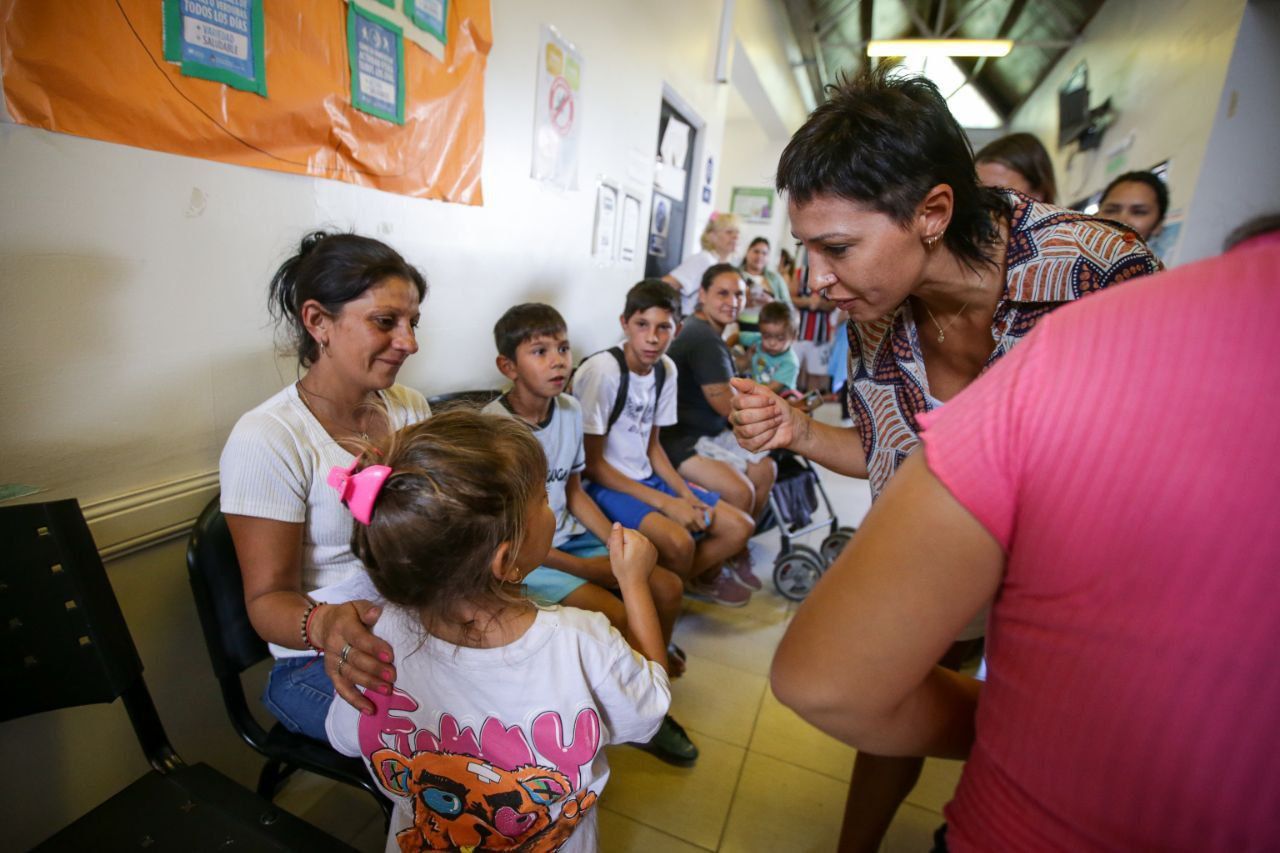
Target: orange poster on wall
[97,68]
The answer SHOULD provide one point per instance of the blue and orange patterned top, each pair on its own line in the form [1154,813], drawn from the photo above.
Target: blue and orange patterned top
[1054,256]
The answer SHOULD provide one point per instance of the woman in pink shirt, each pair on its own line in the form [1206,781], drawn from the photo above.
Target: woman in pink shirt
[1113,484]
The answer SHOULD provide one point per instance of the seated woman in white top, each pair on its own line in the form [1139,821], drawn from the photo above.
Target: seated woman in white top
[719,240]
[350,305]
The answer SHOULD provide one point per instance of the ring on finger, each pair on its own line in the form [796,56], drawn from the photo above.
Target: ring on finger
[346,650]
[341,664]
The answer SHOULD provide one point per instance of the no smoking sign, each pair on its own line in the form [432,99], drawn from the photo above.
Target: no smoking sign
[560,102]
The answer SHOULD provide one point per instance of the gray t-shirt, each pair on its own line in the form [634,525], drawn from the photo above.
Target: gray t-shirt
[561,439]
[701,358]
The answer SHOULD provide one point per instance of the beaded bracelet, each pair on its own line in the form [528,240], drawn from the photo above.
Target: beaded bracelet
[307,613]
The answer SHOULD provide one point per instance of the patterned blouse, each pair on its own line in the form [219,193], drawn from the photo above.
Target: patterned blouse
[1054,256]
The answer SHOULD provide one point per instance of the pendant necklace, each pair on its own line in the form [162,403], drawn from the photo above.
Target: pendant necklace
[941,328]
[306,401]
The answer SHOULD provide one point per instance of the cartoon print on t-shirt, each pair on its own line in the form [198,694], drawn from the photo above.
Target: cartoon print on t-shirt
[639,416]
[462,802]
[501,790]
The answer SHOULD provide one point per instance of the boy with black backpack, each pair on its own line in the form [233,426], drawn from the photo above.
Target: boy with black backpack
[534,354]
[627,394]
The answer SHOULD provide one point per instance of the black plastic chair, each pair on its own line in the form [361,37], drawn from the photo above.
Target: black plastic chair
[477,399]
[68,645]
[234,646]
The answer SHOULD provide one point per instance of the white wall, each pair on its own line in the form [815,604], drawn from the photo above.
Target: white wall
[1239,178]
[133,329]
[1162,63]
[750,159]
[133,323]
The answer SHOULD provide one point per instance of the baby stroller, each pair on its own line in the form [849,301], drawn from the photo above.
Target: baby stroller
[793,503]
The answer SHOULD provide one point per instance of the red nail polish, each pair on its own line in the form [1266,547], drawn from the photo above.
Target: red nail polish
[388,675]
[385,657]
[385,689]
[368,712]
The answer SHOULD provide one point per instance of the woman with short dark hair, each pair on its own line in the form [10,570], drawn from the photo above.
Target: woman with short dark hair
[940,276]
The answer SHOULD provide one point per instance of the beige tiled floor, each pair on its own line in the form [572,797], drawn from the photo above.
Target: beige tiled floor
[765,780]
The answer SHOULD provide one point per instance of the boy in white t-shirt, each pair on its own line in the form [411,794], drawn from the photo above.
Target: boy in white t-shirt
[535,356]
[630,477]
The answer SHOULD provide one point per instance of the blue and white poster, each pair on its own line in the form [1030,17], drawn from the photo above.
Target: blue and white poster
[429,15]
[376,48]
[220,40]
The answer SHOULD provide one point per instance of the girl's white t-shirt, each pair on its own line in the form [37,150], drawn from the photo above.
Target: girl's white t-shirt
[276,465]
[509,741]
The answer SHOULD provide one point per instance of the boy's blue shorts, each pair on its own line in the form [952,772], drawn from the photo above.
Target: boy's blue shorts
[546,585]
[629,511]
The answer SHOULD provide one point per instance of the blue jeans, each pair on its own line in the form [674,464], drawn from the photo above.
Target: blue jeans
[299,694]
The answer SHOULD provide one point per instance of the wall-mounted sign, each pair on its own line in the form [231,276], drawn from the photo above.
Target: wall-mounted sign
[220,40]
[754,204]
[429,15]
[557,116]
[376,49]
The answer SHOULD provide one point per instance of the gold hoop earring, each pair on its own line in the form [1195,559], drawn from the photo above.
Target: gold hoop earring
[931,243]
[324,348]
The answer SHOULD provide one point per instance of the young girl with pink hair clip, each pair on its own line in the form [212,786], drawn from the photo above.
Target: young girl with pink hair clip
[493,737]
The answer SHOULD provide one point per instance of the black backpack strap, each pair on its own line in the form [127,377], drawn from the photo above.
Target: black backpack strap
[660,376]
[624,380]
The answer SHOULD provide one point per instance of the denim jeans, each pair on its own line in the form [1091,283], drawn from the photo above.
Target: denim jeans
[299,693]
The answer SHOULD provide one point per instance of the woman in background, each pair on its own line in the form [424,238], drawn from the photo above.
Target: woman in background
[1019,162]
[719,240]
[1138,199]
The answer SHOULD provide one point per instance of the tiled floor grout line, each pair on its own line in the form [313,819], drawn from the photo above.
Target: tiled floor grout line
[658,829]
[737,783]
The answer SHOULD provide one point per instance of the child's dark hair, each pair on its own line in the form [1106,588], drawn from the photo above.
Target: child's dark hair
[778,311]
[1150,179]
[332,269]
[1024,154]
[652,293]
[460,486]
[884,140]
[524,322]
[716,270]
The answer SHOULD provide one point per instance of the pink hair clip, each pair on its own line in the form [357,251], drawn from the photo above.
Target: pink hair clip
[359,490]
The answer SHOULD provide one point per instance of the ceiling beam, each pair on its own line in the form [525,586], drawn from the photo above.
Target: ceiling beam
[921,25]
[963,19]
[864,29]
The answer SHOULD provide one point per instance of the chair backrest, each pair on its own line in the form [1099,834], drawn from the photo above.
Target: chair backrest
[214,572]
[476,399]
[66,643]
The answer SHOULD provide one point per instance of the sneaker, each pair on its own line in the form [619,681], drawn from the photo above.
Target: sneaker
[723,590]
[677,661]
[671,744]
[740,570]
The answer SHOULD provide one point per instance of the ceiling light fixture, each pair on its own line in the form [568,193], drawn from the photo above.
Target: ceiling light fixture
[939,47]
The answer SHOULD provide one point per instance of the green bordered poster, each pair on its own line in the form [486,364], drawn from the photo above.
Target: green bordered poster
[754,204]
[220,40]
[376,47]
[429,16]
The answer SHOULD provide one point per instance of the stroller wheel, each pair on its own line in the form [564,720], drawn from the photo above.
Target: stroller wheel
[795,573]
[834,544]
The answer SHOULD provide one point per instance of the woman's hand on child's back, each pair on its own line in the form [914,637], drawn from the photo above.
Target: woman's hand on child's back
[367,662]
[632,555]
